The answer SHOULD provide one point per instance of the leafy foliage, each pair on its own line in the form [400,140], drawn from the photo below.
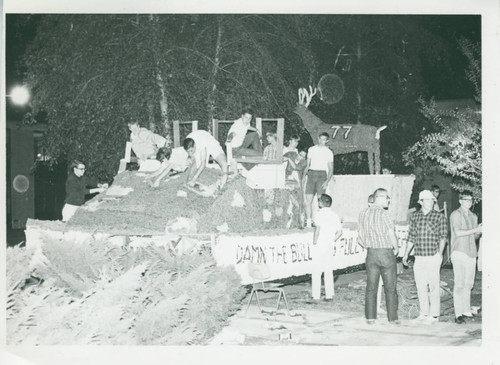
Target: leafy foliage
[91,74]
[456,146]
[113,296]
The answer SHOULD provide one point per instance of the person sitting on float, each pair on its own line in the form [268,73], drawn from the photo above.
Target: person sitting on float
[175,159]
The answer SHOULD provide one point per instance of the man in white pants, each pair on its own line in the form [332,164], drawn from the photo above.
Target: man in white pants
[427,233]
[464,231]
[328,229]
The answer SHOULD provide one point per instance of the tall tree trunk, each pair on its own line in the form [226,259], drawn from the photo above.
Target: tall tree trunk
[160,82]
[358,92]
[213,77]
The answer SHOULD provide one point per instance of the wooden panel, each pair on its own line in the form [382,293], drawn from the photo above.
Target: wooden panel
[177,131]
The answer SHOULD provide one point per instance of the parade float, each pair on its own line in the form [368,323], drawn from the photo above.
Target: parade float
[167,265]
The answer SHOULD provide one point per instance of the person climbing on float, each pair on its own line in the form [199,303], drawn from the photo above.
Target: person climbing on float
[200,145]
[172,160]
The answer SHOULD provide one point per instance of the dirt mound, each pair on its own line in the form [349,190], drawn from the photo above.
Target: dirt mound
[146,210]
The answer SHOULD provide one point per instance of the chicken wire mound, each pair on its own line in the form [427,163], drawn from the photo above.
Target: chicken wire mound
[147,210]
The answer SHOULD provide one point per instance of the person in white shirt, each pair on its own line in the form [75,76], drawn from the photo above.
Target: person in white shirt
[176,159]
[319,172]
[200,145]
[145,143]
[244,139]
[328,229]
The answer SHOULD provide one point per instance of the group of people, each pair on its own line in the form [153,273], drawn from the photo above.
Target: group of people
[427,238]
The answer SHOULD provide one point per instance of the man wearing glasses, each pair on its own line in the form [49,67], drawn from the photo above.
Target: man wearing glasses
[377,235]
[427,234]
[464,232]
[77,186]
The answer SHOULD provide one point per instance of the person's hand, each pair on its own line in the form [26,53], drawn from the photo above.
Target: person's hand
[191,183]
[395,250]
[405,259]
[479,228]
[325,185]
[101,190]
[440,257]
[105,186]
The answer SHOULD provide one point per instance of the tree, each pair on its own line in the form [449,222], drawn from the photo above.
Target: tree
[91,74]
[456,146]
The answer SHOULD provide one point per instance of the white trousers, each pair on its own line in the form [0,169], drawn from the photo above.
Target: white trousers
[322,262]
[464,272]
[426,272]
[68,211]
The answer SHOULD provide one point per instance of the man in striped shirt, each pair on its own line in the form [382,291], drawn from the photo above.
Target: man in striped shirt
[427,234]
[377,235]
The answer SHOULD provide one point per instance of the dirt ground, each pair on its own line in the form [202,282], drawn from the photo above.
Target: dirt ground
[341,321]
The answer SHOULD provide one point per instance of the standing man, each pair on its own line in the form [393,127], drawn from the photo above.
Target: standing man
[244,139]
[436,191]
[200,145]
[77,186]
[328,230]
[464,231]
[427,233]
[319,172]
[145,143]
[377,235]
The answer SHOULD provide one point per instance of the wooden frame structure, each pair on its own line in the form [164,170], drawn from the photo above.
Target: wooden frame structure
[177,131]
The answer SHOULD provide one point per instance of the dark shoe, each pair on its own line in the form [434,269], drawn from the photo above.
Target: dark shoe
[460,320]
[469,318]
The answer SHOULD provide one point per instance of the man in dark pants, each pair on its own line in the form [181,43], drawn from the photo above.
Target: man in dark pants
[377,235]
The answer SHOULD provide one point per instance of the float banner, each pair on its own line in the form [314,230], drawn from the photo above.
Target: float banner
[290,254]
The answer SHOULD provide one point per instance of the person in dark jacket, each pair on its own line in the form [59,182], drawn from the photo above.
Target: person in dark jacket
[77,186]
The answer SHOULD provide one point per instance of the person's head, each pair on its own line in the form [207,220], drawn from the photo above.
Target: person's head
[325,201]
[426,199]
[302,154]
[163,153]
[189,146]
[386,171]
[371,199]
[134,127]
[293,142]
[78,168]
[465,199]
[323,139]
[247,114]
[271,137]
[381,197]
[435,191]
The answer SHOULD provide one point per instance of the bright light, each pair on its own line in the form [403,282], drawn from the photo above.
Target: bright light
[20,95]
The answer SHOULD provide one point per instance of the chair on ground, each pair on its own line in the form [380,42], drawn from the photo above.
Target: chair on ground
[259,273]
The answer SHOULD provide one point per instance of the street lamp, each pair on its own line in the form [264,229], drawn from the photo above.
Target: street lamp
[19,95]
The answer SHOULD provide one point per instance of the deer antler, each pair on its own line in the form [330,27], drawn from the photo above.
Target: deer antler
[307,95]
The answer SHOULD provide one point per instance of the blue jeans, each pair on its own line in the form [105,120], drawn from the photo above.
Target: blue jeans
[381,262]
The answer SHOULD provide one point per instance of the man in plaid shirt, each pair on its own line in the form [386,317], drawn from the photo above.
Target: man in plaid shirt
[427,234]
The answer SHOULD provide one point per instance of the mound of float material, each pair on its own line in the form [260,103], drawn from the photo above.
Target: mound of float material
[131,206]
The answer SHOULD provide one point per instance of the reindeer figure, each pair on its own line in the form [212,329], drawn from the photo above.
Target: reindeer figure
[345,138]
